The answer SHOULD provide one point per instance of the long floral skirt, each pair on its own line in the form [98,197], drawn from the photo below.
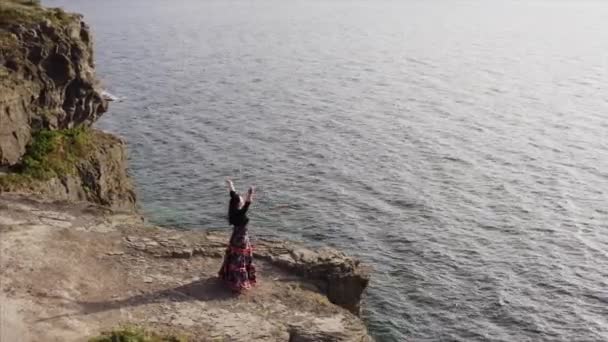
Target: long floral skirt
[238,270]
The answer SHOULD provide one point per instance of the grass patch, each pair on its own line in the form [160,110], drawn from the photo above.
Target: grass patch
[29,12]
[132,334]
[55,153]
[50,154]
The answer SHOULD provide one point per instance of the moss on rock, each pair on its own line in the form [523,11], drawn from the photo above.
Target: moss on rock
[75,164]
[50,154]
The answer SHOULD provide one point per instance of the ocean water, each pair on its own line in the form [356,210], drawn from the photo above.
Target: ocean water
[458,147]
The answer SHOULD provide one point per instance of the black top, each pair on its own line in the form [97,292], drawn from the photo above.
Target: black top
[237,217]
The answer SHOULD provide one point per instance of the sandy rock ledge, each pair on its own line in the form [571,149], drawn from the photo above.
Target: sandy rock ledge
[71,270]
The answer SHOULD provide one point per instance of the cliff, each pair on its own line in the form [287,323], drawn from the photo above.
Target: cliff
[48,84]
[76,257]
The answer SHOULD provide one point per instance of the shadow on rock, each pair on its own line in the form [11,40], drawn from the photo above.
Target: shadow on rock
[208,289]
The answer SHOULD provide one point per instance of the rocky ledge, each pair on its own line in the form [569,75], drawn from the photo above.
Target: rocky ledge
[71,270]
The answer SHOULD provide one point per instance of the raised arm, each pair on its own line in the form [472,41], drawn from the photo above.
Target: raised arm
[250,193]
[230,184]
[231,188]
[248,200]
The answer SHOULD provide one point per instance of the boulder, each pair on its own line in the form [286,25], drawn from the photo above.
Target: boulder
[342,278]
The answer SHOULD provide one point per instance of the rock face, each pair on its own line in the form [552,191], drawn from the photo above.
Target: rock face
[337,275]
[49,81]
[100,177]
[104,175]
[123,272]
[15,130]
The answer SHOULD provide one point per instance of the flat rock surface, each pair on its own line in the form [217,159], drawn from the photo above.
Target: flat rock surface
[71,270]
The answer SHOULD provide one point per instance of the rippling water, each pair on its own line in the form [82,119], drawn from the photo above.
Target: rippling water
[460,147]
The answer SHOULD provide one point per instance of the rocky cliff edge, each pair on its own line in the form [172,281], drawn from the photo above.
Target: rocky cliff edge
[71,270]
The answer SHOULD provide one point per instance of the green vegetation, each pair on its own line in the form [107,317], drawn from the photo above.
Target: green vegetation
[28,12]
[54,153]
[50,154]
[132,334]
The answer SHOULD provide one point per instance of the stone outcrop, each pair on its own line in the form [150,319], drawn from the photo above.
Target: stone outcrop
[71,270]
[48,82]
[103,174]
[48,77]
[99,176]
[340,277]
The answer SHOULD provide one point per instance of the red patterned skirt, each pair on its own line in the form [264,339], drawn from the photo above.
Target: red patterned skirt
[238,270]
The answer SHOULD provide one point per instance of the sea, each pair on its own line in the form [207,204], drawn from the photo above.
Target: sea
[459,148]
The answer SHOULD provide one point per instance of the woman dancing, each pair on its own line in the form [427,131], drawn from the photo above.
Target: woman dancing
[238,270]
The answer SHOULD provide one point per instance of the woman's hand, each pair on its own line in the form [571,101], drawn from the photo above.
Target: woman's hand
[250,193]
[230,184]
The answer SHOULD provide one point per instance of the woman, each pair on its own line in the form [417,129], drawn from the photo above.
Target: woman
[238,270]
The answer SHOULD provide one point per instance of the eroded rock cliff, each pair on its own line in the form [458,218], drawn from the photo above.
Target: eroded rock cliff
[48,83]
[77,165]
